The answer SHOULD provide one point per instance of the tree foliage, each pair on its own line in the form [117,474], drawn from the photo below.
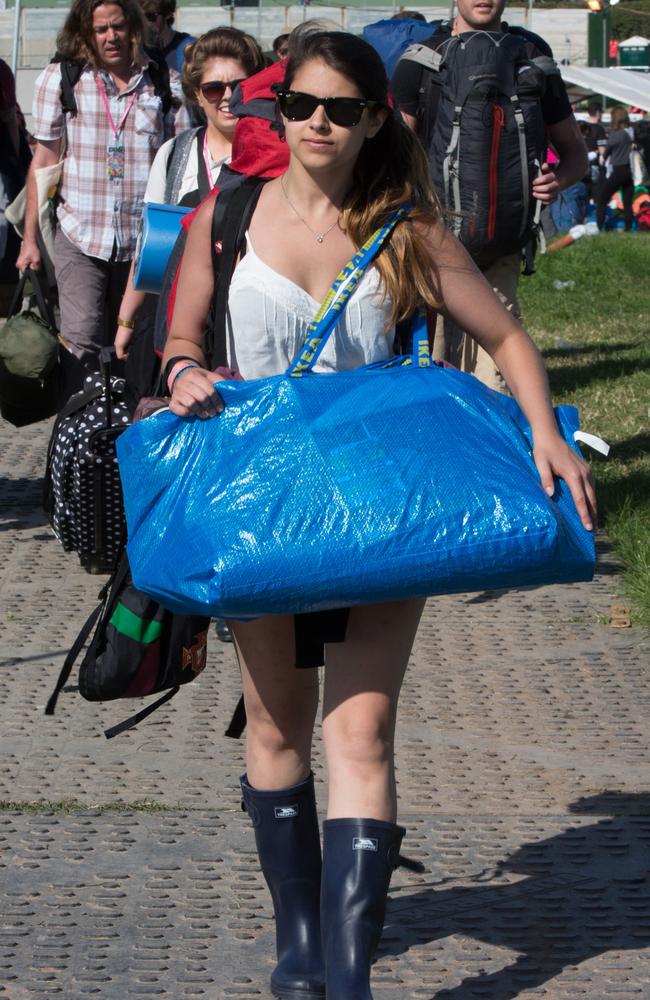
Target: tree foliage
[630,17]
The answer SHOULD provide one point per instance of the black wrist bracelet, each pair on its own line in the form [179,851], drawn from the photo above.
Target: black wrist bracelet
[174,361]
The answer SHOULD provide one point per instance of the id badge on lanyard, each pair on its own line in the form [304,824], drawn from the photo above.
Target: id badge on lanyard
[116,154]
[115,158]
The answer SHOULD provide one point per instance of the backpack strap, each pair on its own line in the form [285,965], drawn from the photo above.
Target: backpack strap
[133,720]
[177,162]
[238,720]
[71,70]
[430,59]
[548,65]
[203,178]
[229,224]
[158,71]
[424,55]
[177,38]
[97,618]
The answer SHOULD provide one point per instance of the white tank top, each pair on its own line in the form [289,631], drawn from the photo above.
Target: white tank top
[269,317]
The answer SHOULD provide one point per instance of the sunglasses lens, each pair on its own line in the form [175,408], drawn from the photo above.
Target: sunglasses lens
[151,17]
[213,92]
[298,107]
[345,111]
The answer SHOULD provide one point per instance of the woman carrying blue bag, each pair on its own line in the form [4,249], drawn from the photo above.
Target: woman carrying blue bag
[353,166]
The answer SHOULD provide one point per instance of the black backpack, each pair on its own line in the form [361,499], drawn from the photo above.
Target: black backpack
[138,648]
[71,70]
[488,139]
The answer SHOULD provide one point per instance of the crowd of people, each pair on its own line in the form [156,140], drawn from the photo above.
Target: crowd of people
[152,122]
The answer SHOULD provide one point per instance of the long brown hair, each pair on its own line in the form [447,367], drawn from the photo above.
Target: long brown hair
[76,38]
[227,43]
[619,118]
[391,169]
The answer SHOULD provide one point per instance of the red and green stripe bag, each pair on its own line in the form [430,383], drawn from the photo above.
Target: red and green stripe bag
[138,648]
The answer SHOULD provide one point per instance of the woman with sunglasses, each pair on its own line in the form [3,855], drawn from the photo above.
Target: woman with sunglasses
[352,163]
[186,168]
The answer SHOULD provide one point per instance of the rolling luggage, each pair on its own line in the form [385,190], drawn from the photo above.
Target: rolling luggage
[82,489]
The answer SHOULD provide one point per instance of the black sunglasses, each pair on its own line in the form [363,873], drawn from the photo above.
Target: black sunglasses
[214,90]
[345,111]
[152,17]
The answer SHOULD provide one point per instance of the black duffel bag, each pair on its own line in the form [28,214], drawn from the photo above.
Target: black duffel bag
[29,357]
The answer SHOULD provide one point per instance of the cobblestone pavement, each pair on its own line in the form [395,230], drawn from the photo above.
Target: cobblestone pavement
[127,868]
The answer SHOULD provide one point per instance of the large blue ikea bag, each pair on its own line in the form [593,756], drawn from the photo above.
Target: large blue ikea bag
[339,489]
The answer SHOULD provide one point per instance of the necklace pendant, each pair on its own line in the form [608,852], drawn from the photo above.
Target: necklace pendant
[319,238]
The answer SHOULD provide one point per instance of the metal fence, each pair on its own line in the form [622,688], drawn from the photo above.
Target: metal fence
[565,30]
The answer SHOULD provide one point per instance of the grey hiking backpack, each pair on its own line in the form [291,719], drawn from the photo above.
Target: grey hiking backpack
[488,140]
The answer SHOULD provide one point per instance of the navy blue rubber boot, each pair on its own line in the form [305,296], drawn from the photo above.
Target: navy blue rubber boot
[288,845]
[359,856]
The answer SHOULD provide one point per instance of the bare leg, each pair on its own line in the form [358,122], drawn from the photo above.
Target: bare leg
[281,702]
[278,792]
[363,677]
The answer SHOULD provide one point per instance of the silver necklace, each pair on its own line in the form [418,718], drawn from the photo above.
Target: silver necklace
[319,237]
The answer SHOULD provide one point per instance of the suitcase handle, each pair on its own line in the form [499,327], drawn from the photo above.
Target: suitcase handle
[105,356]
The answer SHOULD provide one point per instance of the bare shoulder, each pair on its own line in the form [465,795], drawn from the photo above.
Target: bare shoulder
[202,221]
[268,208]
[445,249]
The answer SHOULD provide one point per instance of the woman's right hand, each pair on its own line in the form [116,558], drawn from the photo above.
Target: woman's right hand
[194,394]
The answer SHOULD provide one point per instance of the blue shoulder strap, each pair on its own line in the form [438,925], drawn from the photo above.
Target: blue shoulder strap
[337,298]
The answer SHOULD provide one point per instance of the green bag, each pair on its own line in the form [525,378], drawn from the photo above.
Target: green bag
[29,358]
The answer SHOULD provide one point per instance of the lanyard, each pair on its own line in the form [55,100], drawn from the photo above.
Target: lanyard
[336,299]
[116,130]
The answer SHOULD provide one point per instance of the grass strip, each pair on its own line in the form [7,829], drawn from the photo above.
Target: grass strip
[67,807]
[595,339]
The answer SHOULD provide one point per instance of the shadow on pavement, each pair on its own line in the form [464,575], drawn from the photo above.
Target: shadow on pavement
[580,894]
[21,504]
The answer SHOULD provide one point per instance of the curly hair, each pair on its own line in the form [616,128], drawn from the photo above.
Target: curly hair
[227,43]
[391,169]
[76,38]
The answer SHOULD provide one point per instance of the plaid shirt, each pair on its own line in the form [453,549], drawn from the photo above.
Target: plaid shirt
[101,215]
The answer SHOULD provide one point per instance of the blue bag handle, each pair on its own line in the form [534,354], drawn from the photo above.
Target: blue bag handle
[420,353]
[336,299]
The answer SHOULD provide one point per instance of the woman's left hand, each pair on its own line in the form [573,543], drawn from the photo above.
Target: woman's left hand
[123,337]
[554,457]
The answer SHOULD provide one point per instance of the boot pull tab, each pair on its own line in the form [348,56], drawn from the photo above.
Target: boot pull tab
[253,812]
[410,864]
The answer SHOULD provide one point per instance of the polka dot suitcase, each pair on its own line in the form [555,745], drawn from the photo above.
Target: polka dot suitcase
[83,493]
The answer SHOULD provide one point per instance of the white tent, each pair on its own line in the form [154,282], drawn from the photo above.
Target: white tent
[635,42]
[624,85]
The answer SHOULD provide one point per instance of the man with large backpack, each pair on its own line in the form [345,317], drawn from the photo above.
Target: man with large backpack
[101,109]
[486,100]
[160,16]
